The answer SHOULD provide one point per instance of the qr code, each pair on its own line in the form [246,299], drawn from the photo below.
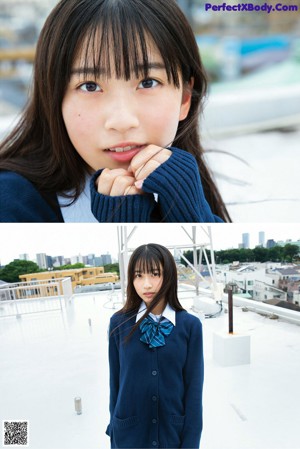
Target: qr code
[15,433]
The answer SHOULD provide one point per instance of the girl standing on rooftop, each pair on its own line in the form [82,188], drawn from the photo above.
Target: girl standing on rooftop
[110,133]
[155,360]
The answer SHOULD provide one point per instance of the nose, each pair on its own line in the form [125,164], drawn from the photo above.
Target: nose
[121,115]
[147,282]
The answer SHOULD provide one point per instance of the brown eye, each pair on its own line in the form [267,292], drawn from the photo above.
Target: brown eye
[148,83]
[90,87]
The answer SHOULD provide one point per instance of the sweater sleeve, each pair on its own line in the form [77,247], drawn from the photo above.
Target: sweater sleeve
[193,381]
[114,372]
[178,185]
[120,209]
[20,201]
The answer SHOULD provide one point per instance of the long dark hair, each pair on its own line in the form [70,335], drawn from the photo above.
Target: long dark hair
[39,147]
[148,259]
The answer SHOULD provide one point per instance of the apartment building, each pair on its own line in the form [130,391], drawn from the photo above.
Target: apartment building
[79,276]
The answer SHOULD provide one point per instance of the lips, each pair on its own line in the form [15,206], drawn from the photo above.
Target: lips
[124,149]
[124,153]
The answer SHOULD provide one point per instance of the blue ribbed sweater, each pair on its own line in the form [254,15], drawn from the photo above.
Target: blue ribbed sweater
[156,394]
[177,183]
[21,202]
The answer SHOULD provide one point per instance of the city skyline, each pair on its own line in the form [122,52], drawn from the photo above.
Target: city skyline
[74,239]
[50,261]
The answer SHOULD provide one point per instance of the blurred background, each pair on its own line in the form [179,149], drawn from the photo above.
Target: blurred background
[251,121]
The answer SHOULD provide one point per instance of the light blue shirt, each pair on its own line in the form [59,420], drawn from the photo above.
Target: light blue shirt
[79,211]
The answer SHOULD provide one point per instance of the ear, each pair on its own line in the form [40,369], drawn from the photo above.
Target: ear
[186,99]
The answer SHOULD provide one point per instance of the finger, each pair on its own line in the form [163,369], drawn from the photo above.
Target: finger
[139,184]
[124,185]
[152,164]
[144,156]
[150,153]
[106,179]
[146,169]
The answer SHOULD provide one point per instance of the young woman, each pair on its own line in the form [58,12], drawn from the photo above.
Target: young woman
[155,360]
[110,133]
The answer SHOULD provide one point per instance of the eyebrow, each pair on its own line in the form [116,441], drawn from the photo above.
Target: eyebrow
[91,71]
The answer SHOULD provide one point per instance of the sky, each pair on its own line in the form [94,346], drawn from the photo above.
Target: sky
[72,239]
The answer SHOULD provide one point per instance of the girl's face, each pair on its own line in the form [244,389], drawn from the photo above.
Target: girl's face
[147,285]
[110,120]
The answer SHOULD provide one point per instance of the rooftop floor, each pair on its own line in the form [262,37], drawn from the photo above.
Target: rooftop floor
[47,359]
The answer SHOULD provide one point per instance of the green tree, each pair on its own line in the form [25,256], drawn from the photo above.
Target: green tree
[230,255]
[70,267]
[276,253]
[290,252]
[246,255]
[112,268]
[260,254]
[189,256]
[12,271]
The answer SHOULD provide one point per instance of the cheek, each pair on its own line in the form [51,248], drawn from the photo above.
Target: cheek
[78,120]
[167,117]
[159,284]
[166,120]
[78,126]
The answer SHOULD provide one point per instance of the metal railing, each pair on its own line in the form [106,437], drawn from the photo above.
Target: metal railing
[34,296]
[291,316]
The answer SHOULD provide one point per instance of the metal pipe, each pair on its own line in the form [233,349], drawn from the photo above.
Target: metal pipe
[230,309]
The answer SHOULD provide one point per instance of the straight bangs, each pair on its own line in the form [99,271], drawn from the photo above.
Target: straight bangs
[148,264]
[117,40]
[147,260]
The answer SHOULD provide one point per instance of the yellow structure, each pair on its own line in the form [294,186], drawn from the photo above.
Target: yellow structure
[17,54]
[79,276]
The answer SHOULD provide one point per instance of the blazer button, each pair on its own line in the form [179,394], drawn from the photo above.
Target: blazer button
[154,443]
[154,421]
[154,398]
[154,373]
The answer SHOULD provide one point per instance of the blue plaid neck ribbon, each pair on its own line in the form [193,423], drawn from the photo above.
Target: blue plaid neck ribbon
[153,333]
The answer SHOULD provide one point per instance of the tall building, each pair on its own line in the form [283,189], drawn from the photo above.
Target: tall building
[77,259]
[271,243]
[41,260]
[91,259]
[58,261]
[49,262]
[177,255]
[261,238]
[106,258]
[44,261]
[24,257]
[246,239]
[98,261]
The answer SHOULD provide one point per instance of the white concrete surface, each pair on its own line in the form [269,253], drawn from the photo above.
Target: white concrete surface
[259,176]
[48,359]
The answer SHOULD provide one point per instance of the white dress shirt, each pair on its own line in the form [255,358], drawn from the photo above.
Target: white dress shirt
[168,313]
